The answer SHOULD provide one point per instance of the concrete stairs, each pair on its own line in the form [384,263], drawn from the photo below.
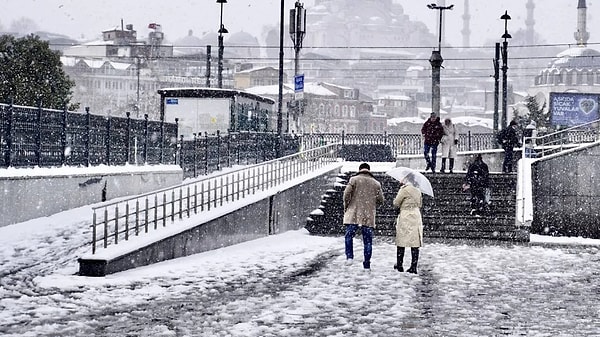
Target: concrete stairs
[445,216]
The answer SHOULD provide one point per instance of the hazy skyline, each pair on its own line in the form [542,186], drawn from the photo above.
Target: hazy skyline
[86,19]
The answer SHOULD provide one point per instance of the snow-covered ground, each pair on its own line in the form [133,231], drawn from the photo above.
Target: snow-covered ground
[295,284]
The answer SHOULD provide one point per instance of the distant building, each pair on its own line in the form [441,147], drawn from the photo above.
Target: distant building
[257,77]
[576,69]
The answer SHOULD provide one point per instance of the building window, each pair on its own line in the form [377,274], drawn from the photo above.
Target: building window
[352,111]
[345,111]
[321,109]
[336,111]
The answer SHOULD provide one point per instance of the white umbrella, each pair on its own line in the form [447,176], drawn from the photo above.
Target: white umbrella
[414,177]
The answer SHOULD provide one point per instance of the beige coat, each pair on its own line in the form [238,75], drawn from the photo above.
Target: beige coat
[409,224]
[448,146]
[361,197]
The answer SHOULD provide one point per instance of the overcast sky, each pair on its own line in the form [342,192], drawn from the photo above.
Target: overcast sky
[555,20]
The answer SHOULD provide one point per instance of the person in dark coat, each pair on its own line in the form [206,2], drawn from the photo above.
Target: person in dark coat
[478,180]
[432,132]
[361,197]
[508,139]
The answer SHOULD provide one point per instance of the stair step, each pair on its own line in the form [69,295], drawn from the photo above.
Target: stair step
[445,216]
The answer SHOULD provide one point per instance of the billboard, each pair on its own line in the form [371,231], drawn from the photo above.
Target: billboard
[570,109]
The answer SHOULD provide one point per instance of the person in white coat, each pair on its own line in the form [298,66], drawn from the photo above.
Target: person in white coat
[409,224]
[449,144]
[529,139]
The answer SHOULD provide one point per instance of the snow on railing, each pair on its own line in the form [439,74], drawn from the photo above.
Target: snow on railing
[538,147]
[121,220]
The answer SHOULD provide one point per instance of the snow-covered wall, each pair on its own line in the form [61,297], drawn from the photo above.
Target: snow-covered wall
[39,194]
[277,212]
[566,198]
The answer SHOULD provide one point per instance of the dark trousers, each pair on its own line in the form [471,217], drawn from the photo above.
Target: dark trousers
[367,234]
[430,160]
[478,198]
[508,160]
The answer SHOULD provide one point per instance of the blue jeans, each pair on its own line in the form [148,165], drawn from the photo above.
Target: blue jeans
[430,161]
[367,234]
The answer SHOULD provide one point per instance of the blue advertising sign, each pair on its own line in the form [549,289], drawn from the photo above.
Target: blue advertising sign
[570,109]
[173,101]
[299,83]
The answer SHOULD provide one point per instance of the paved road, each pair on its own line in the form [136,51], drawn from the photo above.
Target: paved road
[463,289]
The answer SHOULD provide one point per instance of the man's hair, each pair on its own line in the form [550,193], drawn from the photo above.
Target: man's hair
[513,123]
[364,166]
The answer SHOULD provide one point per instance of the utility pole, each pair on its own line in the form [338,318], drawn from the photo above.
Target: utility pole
[496,86]
[208,65]
[222,30]
[280,101]
[505,36]
[297,32]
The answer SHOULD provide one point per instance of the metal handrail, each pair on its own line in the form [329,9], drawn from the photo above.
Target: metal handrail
[559,140]
[121,220]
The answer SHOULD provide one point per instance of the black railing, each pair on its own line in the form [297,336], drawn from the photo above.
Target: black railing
[31,136]
[44,137]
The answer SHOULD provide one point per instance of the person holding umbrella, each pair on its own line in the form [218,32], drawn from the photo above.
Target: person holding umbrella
[409,223]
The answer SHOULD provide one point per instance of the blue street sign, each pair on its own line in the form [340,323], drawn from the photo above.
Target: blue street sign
[174,101]
[299,83]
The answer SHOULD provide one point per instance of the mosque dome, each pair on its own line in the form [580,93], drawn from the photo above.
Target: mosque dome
[242,38]
[579,57]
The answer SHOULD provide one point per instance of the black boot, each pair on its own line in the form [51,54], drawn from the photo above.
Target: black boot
[444,165]
[451,164]
[414,253]
[399,259]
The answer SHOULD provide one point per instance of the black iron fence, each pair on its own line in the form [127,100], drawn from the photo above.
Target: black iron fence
[400,144]
[31,136]
[45,137]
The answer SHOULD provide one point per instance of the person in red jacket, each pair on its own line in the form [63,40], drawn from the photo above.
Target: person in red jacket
[432,132]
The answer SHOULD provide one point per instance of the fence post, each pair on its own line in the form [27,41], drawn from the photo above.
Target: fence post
[205,152]
[178,149]
[195,155]
[181,154]
[38,135]
[107,140]
[229,149]
[63,137]
[128,142]
[9,134]
[162,141]
[469,139]
[218,150]
[87,137]
[145,138]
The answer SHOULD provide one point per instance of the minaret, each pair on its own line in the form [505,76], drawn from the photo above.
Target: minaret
[466,31]
[581,35]
[529,23]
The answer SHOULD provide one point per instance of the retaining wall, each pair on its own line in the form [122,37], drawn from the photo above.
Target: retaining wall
[276,213]
[25,194]
[566,194]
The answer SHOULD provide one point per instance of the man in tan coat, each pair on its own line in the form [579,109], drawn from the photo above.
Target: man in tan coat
[361,197]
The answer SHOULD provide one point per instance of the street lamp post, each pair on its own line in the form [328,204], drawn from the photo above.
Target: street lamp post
[505,36]
[436,61]
[222,30]
[280,96]
[297,32]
